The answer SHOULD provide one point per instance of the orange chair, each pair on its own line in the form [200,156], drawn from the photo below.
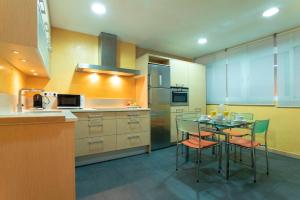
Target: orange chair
[192,141]
[259,127]
[237,132]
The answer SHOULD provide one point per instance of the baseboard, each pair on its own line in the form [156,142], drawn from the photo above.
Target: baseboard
[101,157]
[283,153]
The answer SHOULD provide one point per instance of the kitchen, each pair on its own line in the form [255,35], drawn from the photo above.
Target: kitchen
[89,111]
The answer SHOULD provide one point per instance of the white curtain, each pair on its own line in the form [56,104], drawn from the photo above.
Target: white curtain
[289,69]
[215,77]
[250,73]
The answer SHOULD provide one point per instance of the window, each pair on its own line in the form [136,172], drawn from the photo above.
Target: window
[289,69]
[250,73]
[215,77]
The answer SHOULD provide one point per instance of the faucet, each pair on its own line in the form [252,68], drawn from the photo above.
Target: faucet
[20,105]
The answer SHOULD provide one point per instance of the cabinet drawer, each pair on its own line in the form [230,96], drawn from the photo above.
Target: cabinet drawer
[131,114]
[133,140]
[81,129]
[130,125]
[179,109]
[92,115]
[102,127]
[94,145]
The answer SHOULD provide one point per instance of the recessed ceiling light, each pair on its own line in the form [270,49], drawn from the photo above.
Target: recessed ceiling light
[1,67]
[32,70]
[35,74]
[98,8]
[202,41]
[23,60]
[16,52]
[270,12]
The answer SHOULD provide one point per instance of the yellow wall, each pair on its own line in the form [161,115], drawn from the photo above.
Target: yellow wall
[11,79]
[70,48]
[284,127]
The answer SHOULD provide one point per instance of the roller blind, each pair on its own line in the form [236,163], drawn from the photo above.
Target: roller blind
[289,69]
[215,77]
[250,73]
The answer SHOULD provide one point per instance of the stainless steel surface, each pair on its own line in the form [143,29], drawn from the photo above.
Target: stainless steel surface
[184,91]
[159,102]
[20,105]
[107,59]
[83,67]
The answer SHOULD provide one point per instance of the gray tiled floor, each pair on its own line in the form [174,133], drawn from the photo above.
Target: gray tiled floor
[154,177]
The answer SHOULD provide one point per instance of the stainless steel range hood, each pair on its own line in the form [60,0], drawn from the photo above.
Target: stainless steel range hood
[107,59]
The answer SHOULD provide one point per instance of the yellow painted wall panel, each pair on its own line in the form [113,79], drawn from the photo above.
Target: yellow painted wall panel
[70,48]
[126,55]
[284,127]
[11,79]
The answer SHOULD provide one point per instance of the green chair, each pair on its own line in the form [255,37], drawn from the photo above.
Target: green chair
[260,127]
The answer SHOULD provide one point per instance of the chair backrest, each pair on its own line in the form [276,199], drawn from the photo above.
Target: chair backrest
[247,116]
[260,127]
[185,124]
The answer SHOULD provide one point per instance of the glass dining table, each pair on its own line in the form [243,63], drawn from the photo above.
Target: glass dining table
[217,126]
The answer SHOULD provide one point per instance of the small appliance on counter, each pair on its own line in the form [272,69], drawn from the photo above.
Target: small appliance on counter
[37,101]
[70,101]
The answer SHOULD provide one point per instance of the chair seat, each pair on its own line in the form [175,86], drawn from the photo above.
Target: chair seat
[243,142]
[203,134]
[235,133]
[194,143]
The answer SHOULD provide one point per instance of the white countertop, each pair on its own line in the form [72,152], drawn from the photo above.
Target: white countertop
[69,116]
[66,113]
[108,109]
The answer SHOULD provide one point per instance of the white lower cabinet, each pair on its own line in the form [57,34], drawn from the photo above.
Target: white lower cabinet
[126,141]
[109,131]
[176,111]
[92,145]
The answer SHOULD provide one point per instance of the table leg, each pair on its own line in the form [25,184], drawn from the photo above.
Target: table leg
[187,150]
[227,155]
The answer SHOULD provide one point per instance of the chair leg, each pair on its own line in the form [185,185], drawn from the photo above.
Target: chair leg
[198,164]
[177,149]
[234,153]
[267,159]
[220,157]
[254,164]
[241,154]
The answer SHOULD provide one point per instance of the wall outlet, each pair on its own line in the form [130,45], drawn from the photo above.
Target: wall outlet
[50,94]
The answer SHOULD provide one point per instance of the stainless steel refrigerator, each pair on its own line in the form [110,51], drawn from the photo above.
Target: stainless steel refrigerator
[159,102]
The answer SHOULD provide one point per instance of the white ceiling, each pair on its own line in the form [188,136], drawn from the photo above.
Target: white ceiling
[174,26]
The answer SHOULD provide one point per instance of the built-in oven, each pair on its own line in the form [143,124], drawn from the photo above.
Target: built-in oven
[179,96]
[70,101]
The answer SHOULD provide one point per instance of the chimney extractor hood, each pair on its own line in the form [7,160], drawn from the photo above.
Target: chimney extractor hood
[107,59]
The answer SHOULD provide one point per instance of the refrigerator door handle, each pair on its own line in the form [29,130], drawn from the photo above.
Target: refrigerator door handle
[150,97]
[160,79]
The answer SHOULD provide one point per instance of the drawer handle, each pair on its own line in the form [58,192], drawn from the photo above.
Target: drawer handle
[133,115]
[95,125]
[135,122]
[95,116]
[133,136]
[95,142]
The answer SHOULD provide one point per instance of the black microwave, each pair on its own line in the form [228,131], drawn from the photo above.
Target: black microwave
[179,96]
[65,101]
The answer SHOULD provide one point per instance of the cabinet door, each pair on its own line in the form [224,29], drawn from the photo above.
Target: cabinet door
[173,127]
[197,88]
[82,129]
[179,73]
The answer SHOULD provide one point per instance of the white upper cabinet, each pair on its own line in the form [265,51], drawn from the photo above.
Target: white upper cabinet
[179,73]
[25,35]
[197,88]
